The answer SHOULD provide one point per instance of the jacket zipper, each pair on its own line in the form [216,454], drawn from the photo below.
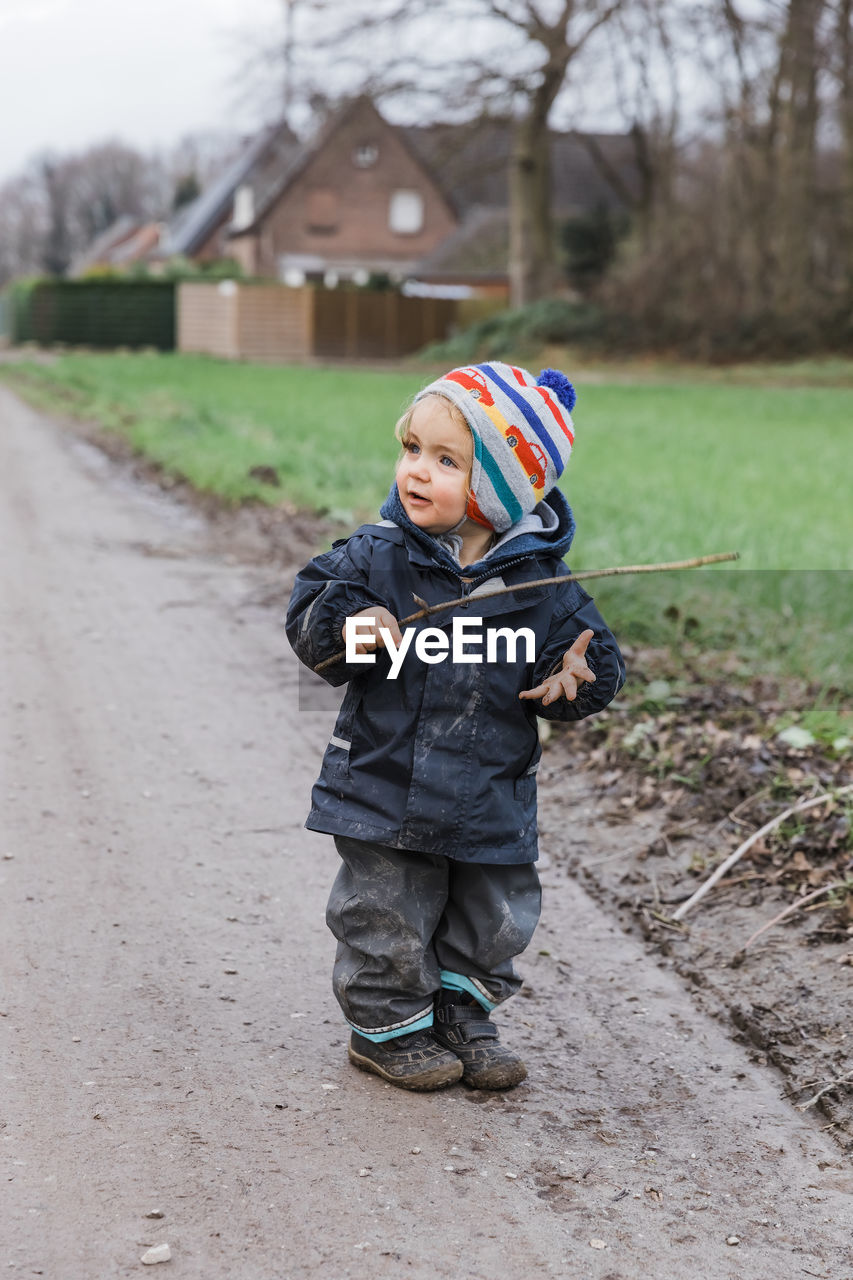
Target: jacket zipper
[473,583]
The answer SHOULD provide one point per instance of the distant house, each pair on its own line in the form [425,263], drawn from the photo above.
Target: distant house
[204,229]
[126,241]
[354,200]
[423,205]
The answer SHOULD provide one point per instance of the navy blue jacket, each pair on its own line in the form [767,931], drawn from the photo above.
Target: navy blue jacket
[443,759]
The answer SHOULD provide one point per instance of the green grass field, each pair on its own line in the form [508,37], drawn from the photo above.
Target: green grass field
[668,464]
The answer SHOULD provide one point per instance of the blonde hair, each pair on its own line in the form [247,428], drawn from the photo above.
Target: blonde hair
[401,427]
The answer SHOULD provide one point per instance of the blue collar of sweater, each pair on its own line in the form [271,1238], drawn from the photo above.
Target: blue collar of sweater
[555,543]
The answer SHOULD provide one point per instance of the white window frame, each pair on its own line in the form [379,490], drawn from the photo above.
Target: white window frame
[244,208]
[406,212]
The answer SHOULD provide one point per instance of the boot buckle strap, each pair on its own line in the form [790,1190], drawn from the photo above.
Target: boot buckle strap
[475,1029]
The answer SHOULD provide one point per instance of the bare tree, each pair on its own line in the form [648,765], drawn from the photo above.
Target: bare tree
[108,180]
[843,67]
[458,59]
[191,162]
[22,227]
[59,204]
[792,138]
[531,268]
[59,239]
[749,242]
[647,59]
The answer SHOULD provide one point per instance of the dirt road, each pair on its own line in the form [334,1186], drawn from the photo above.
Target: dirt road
[170,1045]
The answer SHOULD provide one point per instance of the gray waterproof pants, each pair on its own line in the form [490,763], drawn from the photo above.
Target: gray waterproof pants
[409,923]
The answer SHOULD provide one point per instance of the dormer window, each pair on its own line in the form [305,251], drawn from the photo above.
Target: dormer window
[244,208]
[406,212]
[365,155]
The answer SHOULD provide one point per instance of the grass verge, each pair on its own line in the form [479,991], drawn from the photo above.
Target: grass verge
[669,463]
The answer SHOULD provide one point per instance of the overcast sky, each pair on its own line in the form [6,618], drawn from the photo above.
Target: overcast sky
[75,72]
[147,72]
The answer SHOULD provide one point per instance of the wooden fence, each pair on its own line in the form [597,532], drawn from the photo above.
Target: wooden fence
[274,322]
[357,325]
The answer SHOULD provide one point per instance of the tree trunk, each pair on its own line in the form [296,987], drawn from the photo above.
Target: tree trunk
[532,268]
[796,186]
[56,255]
[532,271]
[845,55]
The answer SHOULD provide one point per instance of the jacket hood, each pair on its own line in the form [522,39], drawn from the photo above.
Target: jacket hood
[553,538]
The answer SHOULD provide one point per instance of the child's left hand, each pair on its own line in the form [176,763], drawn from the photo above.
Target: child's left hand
[564,683]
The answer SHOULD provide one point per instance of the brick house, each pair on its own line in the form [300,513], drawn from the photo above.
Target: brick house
[125,242]
[353,200]
[201,230]
[364,196]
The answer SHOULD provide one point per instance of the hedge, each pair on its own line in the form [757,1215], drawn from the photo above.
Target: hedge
[94,313]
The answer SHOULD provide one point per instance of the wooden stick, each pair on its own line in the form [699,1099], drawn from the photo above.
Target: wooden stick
[827,1088]
[730,861]
[427,610]
[792,907]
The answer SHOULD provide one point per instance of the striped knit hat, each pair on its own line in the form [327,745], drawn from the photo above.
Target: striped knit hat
[522,433]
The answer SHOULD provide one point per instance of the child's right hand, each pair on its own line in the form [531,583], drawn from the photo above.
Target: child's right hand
[379,617]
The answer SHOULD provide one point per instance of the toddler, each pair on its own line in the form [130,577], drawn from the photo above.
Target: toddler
[428,783]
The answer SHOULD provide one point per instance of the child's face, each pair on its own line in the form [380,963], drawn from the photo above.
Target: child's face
[435,469]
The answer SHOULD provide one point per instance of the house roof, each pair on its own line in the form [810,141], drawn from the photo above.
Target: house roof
[139,246]
[266,194]
[473,161]
[271,150]
[275,181]
[476,251]
[100,249]
[472,164]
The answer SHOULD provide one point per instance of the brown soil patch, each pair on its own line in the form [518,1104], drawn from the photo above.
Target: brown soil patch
[642,805]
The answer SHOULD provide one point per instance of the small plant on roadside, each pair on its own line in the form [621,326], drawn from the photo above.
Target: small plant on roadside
[661,767]
[658,696]
[787,832]
[782,788]
[828,721]
[694,779]
[637,741]
[841,898]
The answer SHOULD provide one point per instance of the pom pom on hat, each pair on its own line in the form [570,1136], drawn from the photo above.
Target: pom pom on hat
[560,385]
[523,435]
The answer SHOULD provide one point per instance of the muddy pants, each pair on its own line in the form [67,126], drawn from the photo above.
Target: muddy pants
[410,923]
